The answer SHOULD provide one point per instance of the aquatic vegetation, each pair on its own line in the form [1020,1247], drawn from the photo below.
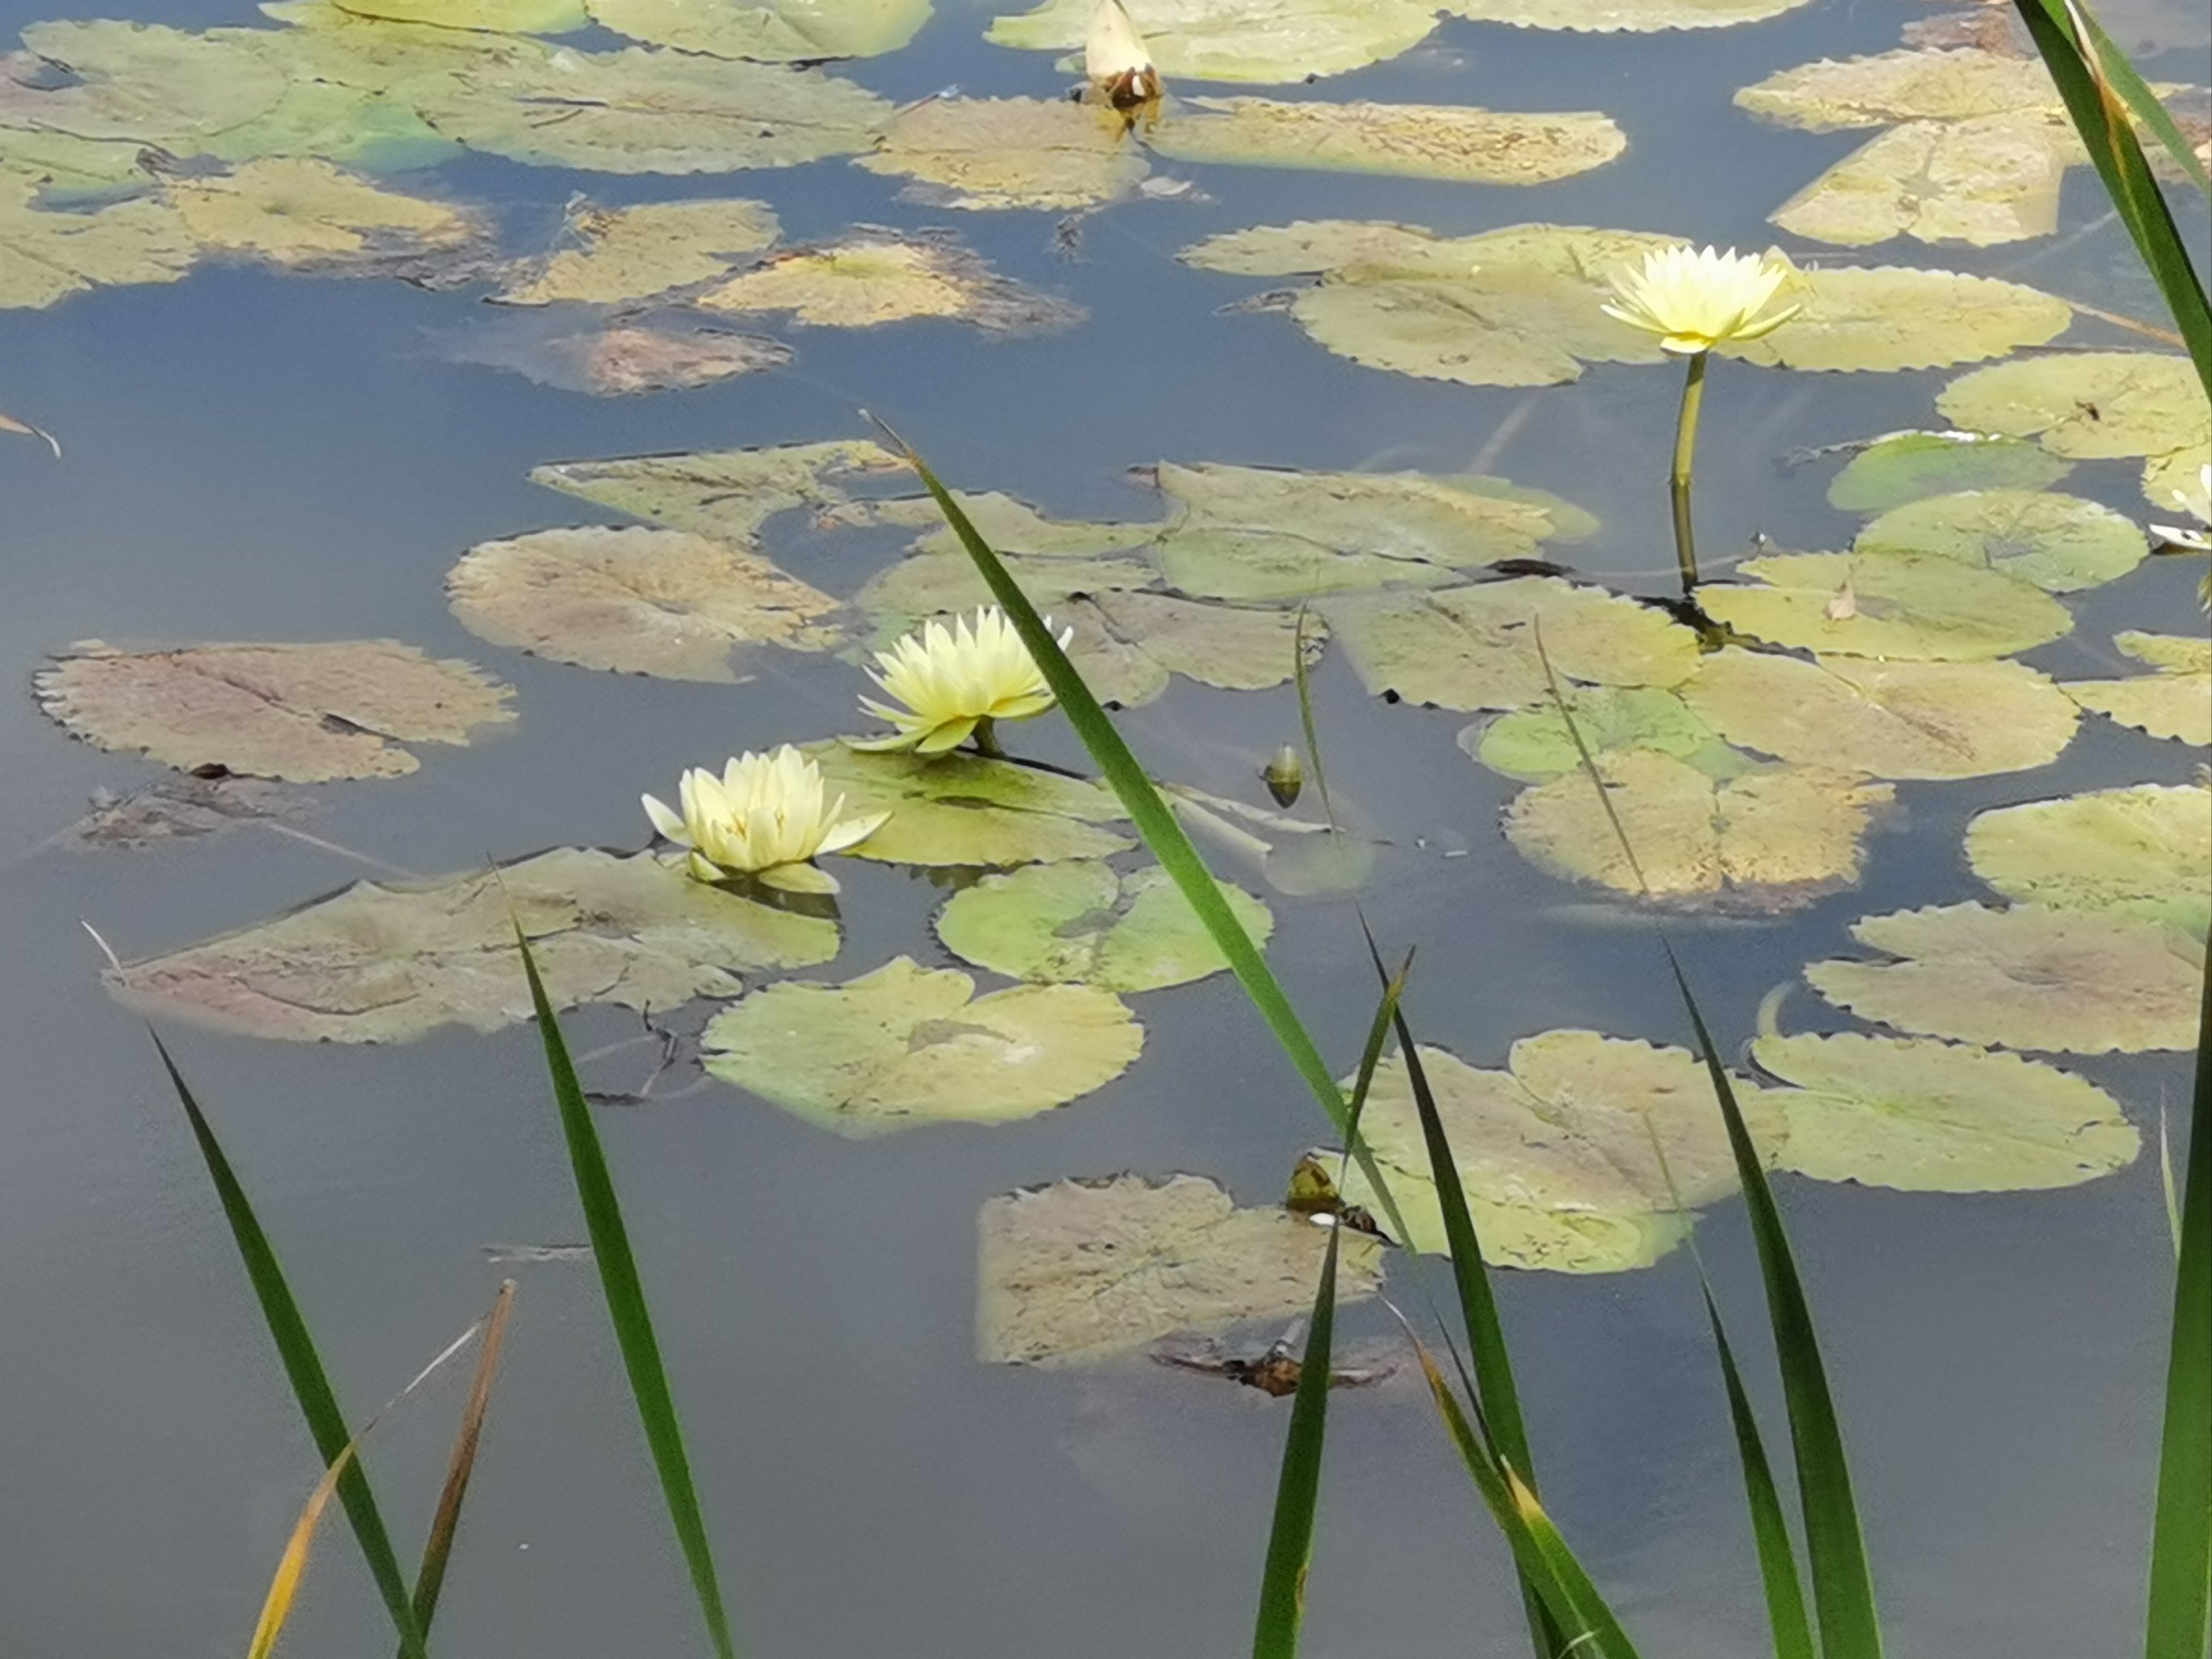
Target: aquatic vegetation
[1079,922]
[2143,851]
[638,253]
[1906,466]
[1116,60]
[1921,606]
[967,810]
[777,32]
[1696,299]
[767,816]
[2173,702]
[2062,543]
[951,684]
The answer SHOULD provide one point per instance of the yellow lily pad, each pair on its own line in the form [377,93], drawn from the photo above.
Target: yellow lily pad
[779,32]
[1250,40]
[1894,317]
[2062,543]
[2175,701]
[1919,606]
[1418,141]
[1982,182]
[623,254]
[1050,153]
[871,278]
[299,213]
[2143,851]
[1623,16]
[1959,85]
[2086,405]
[497,16]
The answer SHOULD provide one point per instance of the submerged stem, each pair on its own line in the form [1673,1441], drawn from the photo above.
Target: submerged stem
[1685,450]
[986,738]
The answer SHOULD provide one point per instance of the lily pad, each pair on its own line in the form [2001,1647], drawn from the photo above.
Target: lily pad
[350,125]
[1960,85]
[1220,645]
[1476,648]
[1249,40]
[184,808]
[1887,318]
[2176,701]
[875,277]
[1982,182]
[906,1045]
[1905,466]
[2029,978]
[1556,1152]
[1417,141]
[1313,247]
[385,962]
[624,255]
[305,712]
[1886,719]
[724,495]
[299,214]
[1761,841]
[1619,16]
[46,255]
[2144,851]
[1933,1117]
[662,602]
[556,347]
[1918,606]
[144,81]
[779,31]
[498,16]
[1081,923]
[1084,1270]
[1534,745]
[2086,405]
[1050,153]
[962,809]
[648,110]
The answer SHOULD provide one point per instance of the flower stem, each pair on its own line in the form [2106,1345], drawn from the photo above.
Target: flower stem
[986,738]
[1686,449]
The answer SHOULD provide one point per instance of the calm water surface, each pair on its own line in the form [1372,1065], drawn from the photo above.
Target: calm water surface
[255,457]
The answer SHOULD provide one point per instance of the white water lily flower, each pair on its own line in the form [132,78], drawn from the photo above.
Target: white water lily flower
[1695,299]
[2197,504]
[952,680]
[764,817]
[1116,59]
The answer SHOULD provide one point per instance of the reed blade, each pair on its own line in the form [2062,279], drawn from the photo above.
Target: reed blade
[1770,1529]
[438,1548]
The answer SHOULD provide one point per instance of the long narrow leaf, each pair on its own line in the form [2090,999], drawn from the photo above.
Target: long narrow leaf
[2143,103]
[626,1307]
[1769,1529]
[292,1564]
[303,1366]
[430,1576]
[2181,1540]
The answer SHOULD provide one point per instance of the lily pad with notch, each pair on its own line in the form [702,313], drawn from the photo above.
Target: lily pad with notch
[2173,702]
[2143,851]
[968,809]
[1921,607]
[1077,922]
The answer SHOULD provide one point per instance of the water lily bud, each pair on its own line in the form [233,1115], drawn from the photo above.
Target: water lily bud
[1285,776]
[1116,60]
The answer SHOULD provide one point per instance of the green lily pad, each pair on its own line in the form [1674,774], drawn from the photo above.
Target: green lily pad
[385,962]
[1981,182]
[1918,606]
[2144,851]
[1887,318]
[497,16]
[662,602]
[963,809]
[1556,1153]
[1534,745]
[725,494]
[2062,543]
[349,125]
[2175,703]
[307,714]
[779,31]
[1051,153]
[906,1045]
[1416,141]
[1619,16]
[630,253]
[1476,648]
[322,42]
[2086,405]
[1220,645]
[1933,1117]
[1905,466]
[2079,981]
[1764,840]
[142,81]
[871,278]
[1960,85]
[1011,527]
[47,255]
[648,110]
[1085,1270]
[1250,40]
[298,213]
[1886,719]
[1312,247]
[1080,923]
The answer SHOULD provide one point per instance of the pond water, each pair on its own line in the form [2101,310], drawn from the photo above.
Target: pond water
[251,454]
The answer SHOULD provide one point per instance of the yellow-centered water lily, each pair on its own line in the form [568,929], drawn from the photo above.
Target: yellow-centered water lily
[1694,299]
[954,681]
[764,817]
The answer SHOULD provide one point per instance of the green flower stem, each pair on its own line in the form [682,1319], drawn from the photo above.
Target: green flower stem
[986,738]
[1685,450]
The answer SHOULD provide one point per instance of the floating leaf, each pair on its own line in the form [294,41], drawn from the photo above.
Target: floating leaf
[963,809]
[1050,153]
[179,808]
[724,495]
[662,602]
[871,278]
[322,42]
[1218,644]
[1252,40]
[1617,16]
[305,712]
[2086,405]
[1476,648]
[635,253]
[1084,1270]
[385,962]
[1316,246]
[2029,978]
[1903,86]
[1894,317]
[2144,851]
[779,31]
[906,1045]
[648,110]
[1557,1152]
[1904,466]
[1081,923]
[500,16]
[2060,543]
[1932,1117]
[350,125]
[619,360]
[1919,606]
[142,81]
[1535,744]
[2174,703]
[299,213]
[1982,182]
[1418,140]
[47,255]
[1886,719]
[1008,525]
[1765,841]
[2178,472]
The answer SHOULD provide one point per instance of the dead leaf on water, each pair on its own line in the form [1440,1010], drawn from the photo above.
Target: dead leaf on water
[874,276]
[613,256]
[576,350]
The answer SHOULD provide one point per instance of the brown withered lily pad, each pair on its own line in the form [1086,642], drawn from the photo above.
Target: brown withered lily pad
[183,808]
[614,359]
[874,276]
[307,712]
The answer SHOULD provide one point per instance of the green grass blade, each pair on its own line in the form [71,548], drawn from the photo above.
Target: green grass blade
[626,1307]
[2181,1538]
[303,1366]
[1769,1529]
[2143,103]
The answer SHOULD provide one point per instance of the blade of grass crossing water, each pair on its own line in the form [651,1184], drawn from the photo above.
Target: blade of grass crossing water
[292,1565]
[437,1550]
[2143,103]
[626,1307]
[1770,1529]
[2181,1536]
[303,1366]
